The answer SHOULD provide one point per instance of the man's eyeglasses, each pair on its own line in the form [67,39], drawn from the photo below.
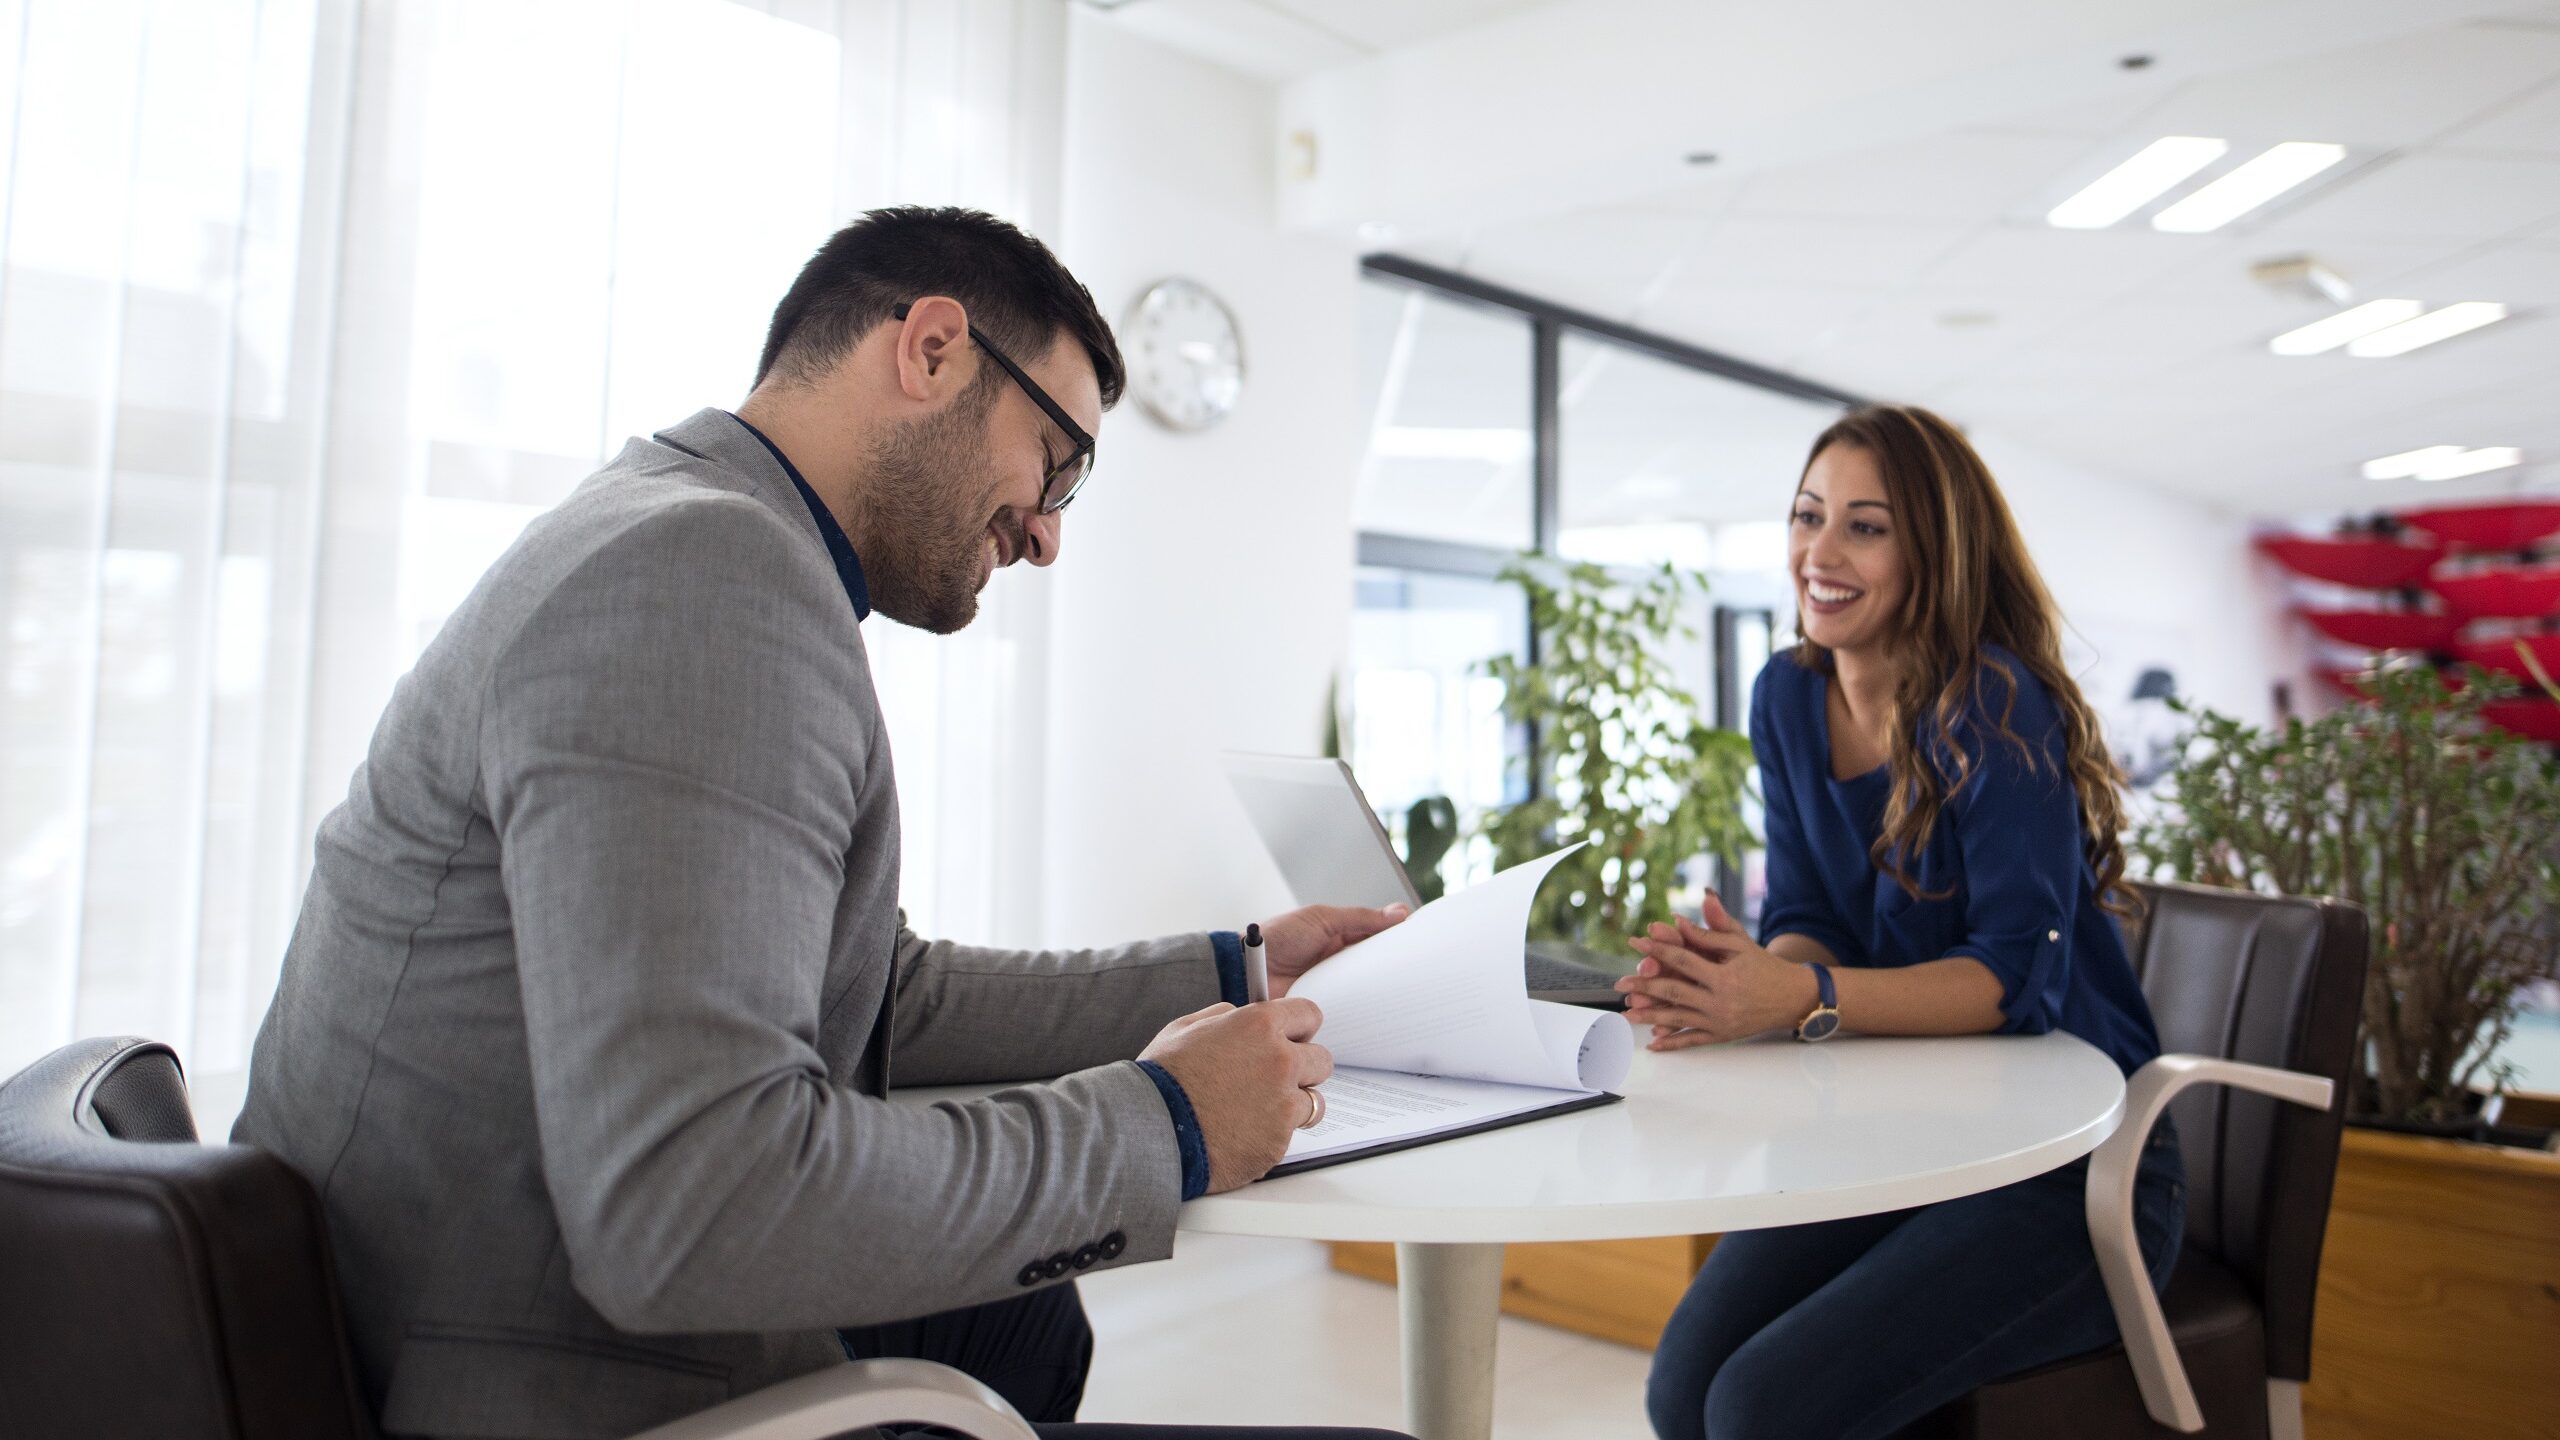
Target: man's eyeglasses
[1067,476]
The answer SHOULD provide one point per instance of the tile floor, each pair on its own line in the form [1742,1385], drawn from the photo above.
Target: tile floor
[1240,1331]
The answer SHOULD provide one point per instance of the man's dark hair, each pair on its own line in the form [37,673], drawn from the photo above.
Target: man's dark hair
[1013,288]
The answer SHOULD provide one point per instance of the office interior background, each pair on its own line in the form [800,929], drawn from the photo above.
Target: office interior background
[310,305]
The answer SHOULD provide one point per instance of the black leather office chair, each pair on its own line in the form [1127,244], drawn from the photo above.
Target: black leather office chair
[153,1287]
[2258,996]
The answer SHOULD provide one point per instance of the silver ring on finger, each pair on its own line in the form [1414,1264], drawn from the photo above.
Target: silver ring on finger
[1315,1109]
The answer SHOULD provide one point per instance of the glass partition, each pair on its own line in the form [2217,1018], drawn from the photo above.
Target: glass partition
[1661,461]
[1424,719]
[1447,391]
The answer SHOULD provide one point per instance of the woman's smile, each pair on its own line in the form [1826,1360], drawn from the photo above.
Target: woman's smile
[1827,597]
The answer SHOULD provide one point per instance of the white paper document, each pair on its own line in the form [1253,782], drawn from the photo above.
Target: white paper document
[1432,1029]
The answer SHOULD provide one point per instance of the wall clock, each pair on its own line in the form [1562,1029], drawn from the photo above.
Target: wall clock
[1186,360]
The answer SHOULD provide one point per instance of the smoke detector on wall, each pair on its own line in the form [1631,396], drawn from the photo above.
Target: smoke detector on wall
[2302,277]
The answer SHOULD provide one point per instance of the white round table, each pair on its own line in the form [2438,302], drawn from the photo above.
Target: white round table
[1709,1140]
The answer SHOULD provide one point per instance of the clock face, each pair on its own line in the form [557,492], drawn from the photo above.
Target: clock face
[1186,363]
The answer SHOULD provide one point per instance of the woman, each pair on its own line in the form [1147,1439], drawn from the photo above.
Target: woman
[1943,860]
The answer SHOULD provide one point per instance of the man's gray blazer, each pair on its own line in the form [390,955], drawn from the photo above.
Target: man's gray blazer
[585,1027]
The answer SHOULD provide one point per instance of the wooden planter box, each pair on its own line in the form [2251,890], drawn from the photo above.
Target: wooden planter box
[1620,1290]
[2439,1309]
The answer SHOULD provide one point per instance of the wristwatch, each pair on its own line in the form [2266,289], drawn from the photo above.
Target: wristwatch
[1824,1019]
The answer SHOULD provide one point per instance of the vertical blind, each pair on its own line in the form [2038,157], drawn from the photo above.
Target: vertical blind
[306,308]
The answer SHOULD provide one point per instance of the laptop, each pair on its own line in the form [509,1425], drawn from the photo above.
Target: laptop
[1332,850]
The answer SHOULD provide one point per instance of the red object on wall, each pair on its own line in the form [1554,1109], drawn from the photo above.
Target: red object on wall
[2534,719]
[2385,629]
[2365,564]
[2499,656]
[2489,527]
[2512,594]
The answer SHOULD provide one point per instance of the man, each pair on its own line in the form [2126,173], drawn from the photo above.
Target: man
[587,1023]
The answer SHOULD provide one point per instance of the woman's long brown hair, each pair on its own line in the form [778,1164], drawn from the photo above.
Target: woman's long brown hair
[1971,584]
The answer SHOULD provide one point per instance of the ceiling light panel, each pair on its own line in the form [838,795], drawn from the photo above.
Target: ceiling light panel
[2321,336]
[2153,171]
[2259,179]
[2427,329]
[2474,462]
[2442,462]
[2410,464]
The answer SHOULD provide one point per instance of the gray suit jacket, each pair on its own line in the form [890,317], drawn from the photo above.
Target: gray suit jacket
[586,1024]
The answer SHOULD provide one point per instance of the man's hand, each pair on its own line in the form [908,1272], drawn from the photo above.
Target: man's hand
[1703,983]
[1293,943]
[1247,1073]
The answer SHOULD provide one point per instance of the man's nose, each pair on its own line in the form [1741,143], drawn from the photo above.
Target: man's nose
[1045,532]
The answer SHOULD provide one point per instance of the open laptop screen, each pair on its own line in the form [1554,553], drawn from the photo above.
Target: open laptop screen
[1320,830]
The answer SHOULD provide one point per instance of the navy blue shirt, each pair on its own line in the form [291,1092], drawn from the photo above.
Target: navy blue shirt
[1228,946]
[2008,852]
[839,545]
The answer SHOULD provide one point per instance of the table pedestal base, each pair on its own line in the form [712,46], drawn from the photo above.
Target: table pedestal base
[1450,1297]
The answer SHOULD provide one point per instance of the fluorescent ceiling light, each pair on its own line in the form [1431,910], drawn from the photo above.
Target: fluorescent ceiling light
[2266,175]
[2137,182]
[2442,462]
[2344,326]
[2410,464]
[2474,462]
[2427,329]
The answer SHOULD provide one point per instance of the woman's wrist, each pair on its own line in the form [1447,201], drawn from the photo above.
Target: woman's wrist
[1804,991]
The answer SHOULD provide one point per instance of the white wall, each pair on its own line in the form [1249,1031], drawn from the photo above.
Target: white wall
[1202,597]
[2144,576]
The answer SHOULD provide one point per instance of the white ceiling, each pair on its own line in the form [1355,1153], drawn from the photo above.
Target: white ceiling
[1285,39]
[1923,270]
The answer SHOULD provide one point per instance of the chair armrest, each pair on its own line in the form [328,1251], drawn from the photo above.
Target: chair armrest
[829,1402]
[2156,1367]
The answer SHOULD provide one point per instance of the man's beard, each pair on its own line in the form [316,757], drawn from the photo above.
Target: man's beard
[926,509]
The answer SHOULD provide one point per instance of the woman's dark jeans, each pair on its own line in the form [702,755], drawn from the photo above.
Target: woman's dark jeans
[1852,1329]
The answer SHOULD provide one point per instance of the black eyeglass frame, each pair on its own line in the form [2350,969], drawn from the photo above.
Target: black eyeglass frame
[1077,468]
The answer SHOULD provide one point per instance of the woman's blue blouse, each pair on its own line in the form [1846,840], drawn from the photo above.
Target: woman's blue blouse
[2007,852]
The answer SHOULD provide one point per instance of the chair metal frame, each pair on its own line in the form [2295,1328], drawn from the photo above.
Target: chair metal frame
[2145,1330]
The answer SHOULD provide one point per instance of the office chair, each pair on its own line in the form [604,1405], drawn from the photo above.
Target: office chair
[2257,999]
[153,1286]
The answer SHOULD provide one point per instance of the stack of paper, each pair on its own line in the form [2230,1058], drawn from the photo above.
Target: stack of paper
[1433,1032]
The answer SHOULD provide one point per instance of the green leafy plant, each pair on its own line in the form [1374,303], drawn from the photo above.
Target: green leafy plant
[2442,828]
[1430,829]
[1627,764]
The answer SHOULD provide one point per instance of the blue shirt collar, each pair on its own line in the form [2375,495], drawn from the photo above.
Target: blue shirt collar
[839,548]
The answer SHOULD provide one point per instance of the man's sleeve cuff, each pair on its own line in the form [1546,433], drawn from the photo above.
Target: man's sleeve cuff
[1186,1128]
[1230,948]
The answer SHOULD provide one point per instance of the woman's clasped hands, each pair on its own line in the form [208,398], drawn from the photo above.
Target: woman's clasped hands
[1700,984]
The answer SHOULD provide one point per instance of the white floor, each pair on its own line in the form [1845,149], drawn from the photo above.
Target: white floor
[1235,1331]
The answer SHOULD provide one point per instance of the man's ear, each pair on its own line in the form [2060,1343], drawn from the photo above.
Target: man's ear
[930,343]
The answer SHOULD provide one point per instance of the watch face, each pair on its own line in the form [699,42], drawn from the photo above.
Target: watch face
[1819,1025]
[1186,361]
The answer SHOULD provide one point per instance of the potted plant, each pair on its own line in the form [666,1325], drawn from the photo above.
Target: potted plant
[2443,1258]
[2445,830]
[1627,765]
